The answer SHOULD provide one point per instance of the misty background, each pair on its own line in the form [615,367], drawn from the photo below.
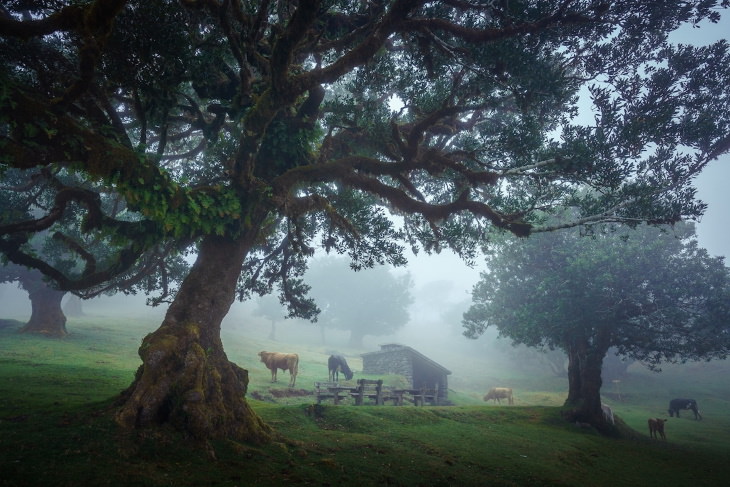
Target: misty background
[441,292]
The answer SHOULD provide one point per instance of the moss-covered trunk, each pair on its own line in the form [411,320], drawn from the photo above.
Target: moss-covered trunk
[46,316]
[185,379]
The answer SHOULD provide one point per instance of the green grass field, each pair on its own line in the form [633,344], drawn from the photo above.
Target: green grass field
[55,428]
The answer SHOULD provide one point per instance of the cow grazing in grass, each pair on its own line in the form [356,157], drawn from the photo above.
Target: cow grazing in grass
[676,405]
[337,364]
[607,413]
[498,393]
[283,361]
[656,427]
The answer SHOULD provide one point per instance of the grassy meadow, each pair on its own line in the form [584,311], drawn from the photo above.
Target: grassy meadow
[56,398]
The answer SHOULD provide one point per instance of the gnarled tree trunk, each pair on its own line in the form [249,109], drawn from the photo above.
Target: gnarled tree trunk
[185,378]
[584,383]
[46,316]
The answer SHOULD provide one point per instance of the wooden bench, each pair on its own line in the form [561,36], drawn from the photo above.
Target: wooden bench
[368,389]
[331,390]
[426,395]
[419,397]
[395,395]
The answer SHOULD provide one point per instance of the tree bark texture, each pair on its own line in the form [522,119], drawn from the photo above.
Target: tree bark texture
[46,316]
[584,383]
[574,378]
[186,379]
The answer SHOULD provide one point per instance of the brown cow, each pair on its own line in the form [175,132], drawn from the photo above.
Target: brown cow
[498,393]
[656,425]
[283,361]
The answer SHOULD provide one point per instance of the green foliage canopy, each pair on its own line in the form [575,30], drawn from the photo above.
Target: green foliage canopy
[272,119]
[651,293]
[66,249]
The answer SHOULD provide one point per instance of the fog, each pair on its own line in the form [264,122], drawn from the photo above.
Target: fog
[442,286]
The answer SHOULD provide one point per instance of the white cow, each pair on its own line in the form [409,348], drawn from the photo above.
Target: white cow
[498,393]
[607,413]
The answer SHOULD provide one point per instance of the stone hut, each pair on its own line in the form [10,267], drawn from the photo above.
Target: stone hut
[419,370]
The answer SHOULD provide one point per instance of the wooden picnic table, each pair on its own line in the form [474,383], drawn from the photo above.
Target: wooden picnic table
[332,390]
[368,389]
[373,389]
[417,396]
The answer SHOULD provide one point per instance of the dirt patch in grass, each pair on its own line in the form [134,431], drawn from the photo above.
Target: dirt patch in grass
[274,394]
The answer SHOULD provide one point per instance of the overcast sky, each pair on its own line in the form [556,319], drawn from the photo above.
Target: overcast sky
[712,188]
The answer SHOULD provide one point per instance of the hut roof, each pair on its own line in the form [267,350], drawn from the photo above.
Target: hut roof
[396,347]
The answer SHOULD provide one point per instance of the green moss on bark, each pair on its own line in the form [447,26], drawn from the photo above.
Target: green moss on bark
[192,388]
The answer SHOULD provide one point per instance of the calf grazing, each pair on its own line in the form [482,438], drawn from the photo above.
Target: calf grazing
[283,361]
[675,405]
[337,364]
[607,413]
[656,426]
[498,393]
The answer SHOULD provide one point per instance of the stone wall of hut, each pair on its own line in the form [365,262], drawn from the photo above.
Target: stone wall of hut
[390,360]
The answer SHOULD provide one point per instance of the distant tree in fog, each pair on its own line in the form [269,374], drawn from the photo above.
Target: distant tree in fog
[431,298]
[367,302]
[451,314]
[62,247]
[47,317]
[270,308]
[651,293]
[555,361]
[615,366]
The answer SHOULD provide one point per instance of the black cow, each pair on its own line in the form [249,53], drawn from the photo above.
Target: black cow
[337,364]
[675,405]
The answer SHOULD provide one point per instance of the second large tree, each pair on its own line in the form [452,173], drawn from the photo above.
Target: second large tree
[651,293]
